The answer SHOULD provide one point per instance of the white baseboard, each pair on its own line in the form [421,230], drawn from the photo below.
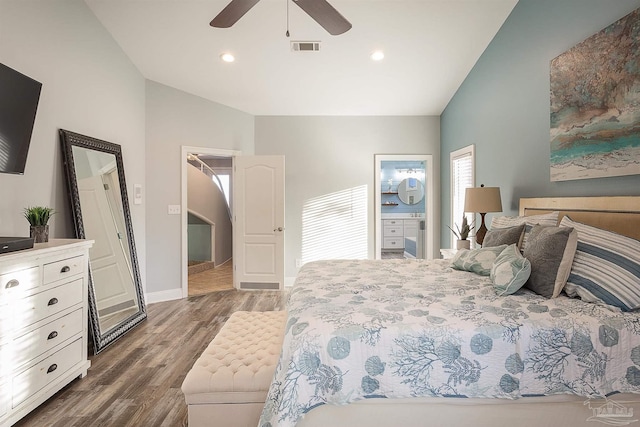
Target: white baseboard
[169,295]
[288,281]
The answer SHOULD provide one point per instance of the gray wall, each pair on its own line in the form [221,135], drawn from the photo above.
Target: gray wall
[175,118]
[88,86]
[205,199]
[324,155]
[503,105]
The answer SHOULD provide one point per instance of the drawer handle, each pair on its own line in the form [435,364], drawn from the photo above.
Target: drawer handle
[53,301]
[65,269]
[52,368]
[52,335]
[11,284]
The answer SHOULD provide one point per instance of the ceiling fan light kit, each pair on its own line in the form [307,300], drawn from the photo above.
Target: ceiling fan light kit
[320,10]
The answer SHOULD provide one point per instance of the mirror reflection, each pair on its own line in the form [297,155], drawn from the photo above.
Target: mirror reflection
[95,177]
[100,198]
[410,191]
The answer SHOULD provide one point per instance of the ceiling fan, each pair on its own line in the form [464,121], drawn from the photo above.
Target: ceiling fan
[320,10]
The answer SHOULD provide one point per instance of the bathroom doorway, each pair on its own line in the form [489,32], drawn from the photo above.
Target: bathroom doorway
[403,206]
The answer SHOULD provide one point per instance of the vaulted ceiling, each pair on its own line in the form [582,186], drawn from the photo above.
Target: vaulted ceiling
[429,46]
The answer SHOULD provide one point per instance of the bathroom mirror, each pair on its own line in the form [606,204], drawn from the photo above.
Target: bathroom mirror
[410,191]
[100,208]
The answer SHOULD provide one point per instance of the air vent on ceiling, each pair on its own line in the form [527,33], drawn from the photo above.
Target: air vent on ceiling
[298,46]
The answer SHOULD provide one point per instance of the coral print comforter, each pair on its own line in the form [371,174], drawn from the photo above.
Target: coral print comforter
[406,328]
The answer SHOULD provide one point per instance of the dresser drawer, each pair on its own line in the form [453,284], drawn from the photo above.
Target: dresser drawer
[393,231]
[59,270]
[6,322]
[391,222]
[393,243]
[4,397]
[46,337]
[27,311]
[38,376]
[19,280]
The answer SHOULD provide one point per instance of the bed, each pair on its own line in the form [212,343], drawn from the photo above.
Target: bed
[372,343]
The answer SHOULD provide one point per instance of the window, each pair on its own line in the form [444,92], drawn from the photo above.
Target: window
[462,177]
[224,180]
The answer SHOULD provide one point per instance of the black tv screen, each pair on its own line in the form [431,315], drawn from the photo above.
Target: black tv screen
[19,96]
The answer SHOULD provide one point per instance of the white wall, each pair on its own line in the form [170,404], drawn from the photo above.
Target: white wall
[88,86]
[175,118]
[324,155]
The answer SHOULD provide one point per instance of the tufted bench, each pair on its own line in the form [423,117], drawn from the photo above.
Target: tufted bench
[228,384]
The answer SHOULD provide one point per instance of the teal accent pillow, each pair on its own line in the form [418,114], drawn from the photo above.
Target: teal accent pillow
[477,261]
[509,271]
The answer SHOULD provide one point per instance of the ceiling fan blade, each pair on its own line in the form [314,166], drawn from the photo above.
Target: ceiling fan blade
[232,13]
[325,15]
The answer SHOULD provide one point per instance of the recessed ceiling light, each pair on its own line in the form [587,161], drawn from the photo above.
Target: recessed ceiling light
[378,55]
[227,57]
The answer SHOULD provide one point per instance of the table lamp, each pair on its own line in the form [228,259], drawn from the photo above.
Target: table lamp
[482,200]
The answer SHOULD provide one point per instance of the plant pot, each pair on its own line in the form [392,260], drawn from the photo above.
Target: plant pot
[39,233]
[463,244]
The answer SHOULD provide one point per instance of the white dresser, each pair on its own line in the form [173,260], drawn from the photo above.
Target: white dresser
[43,323]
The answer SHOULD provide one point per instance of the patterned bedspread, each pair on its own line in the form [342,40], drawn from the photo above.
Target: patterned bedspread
[407,328]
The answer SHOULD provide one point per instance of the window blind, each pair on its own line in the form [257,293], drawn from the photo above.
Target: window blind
[462,177]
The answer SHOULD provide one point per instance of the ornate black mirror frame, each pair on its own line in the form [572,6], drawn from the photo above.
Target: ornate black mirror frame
[101,339]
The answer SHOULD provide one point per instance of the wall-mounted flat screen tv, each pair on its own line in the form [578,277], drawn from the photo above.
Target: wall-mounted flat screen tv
[19,96]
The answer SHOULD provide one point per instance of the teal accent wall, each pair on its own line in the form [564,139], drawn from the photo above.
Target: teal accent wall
[503,105]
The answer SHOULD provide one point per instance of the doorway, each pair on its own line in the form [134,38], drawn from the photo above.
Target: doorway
[404,206]
[206,278]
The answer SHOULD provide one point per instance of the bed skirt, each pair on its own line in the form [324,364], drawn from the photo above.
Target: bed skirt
[563,410]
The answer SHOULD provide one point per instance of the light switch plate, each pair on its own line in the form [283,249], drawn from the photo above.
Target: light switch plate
[137,194]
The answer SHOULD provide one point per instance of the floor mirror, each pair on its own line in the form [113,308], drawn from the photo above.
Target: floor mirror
[100,209]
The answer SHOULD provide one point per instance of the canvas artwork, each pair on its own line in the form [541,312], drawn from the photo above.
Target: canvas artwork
[595,105]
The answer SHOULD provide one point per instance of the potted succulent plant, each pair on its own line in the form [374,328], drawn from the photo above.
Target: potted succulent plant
[38,217]
[462,233]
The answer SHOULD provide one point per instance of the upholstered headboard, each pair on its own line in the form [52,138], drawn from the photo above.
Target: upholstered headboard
[620,214]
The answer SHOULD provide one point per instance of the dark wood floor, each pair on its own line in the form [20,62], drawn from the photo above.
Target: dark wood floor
[136,381]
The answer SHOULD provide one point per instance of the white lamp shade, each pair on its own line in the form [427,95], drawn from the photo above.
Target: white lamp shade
[482,200]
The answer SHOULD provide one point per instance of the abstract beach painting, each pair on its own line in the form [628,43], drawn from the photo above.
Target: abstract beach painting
[595,105]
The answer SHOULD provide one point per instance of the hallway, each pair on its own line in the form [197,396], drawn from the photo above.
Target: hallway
[212,280]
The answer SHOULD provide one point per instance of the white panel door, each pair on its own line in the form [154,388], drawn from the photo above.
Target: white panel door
[108,261]
[258,209]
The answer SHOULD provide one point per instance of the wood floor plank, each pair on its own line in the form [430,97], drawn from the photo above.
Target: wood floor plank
[137,380]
